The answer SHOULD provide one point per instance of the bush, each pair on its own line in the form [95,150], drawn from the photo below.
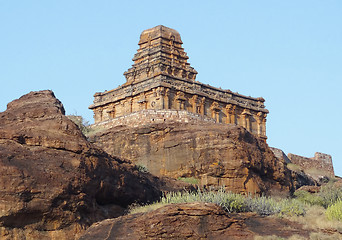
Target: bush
[309,198]
[82,124]
[232,202]
[142,168]
[334,211]
[327,196]
[190,180]
[330,194]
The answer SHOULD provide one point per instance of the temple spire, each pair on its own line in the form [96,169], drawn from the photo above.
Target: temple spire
[160,53]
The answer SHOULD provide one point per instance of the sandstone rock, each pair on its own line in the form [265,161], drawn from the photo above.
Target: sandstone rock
[216,154]
[53,182]
[191,221]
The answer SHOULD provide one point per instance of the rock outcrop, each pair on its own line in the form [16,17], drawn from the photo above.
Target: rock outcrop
[191,221]
[53,182]
[216,154]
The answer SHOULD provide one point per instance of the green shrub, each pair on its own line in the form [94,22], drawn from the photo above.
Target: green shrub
[327,196]
[232,202]
[330,194]
[334,211]
[190,180]
[309,198]
[82,124]
[142,168]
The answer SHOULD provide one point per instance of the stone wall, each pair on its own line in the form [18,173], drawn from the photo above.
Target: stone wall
[321,163]
[149,116]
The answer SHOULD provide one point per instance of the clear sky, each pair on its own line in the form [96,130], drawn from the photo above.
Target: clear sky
[289,52]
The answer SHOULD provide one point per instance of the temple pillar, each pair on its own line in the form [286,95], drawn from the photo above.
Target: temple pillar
[261,120]
[215,111]
[230,112]
[166,98]
[142,102]
[202,106]
[98,115]
[193,102]
[180,99]
[246,115]
[130,104]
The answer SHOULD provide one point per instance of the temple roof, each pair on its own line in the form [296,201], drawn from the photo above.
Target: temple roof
[160,53]
[159,32]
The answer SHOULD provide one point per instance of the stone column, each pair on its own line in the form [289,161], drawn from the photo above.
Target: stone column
[180,98]
[166,98]
[98,115]
[202,106]
[193,102]
[130,104]
[261,120]
[230,112]
[215,111]
[246,119]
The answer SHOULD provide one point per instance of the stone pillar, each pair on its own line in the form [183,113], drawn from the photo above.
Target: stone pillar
[162,99]
[215,111]
[264,127]
[98,115]
[166,98]
[193,102]
[260,123]
[112,112]
[246,119]
[180,98]
[202,104]
[130,104]
[230,112]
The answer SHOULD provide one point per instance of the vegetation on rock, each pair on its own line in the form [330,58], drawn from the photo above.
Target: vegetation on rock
[327,196]
[231,202]
[334,211]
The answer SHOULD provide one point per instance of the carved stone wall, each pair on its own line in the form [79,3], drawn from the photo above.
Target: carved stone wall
[162,79]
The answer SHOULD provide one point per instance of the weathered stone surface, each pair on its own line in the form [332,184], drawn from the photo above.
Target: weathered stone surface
[53,182]
[317,167]
[162,79]
[216,154]
[191,221]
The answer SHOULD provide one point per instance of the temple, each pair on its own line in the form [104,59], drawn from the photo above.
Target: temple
[161,86]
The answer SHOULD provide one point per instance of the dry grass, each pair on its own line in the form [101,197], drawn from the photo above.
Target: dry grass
[294,167]
[315,219]
[274,237]
[146,208]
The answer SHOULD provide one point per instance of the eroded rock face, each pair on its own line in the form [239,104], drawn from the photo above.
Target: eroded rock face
[191,221]
[216,154]
[53,182]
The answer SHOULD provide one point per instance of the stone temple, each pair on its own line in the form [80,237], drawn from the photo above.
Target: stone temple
[161,86]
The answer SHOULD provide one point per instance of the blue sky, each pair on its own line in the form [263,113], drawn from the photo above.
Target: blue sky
[289,52]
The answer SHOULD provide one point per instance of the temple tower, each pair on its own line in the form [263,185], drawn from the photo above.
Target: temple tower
[160,53]
[160,87]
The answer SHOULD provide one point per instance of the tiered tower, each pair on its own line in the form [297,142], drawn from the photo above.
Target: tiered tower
[160,53]
[161,87]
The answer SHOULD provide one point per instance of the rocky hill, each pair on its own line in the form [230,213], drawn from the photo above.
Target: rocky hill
[215,154]
[53,182]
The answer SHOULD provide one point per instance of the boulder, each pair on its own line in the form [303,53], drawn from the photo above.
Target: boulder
[215,154]
[53,182]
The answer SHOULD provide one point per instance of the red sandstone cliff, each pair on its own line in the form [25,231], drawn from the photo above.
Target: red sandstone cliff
[53,182]
[216,154]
